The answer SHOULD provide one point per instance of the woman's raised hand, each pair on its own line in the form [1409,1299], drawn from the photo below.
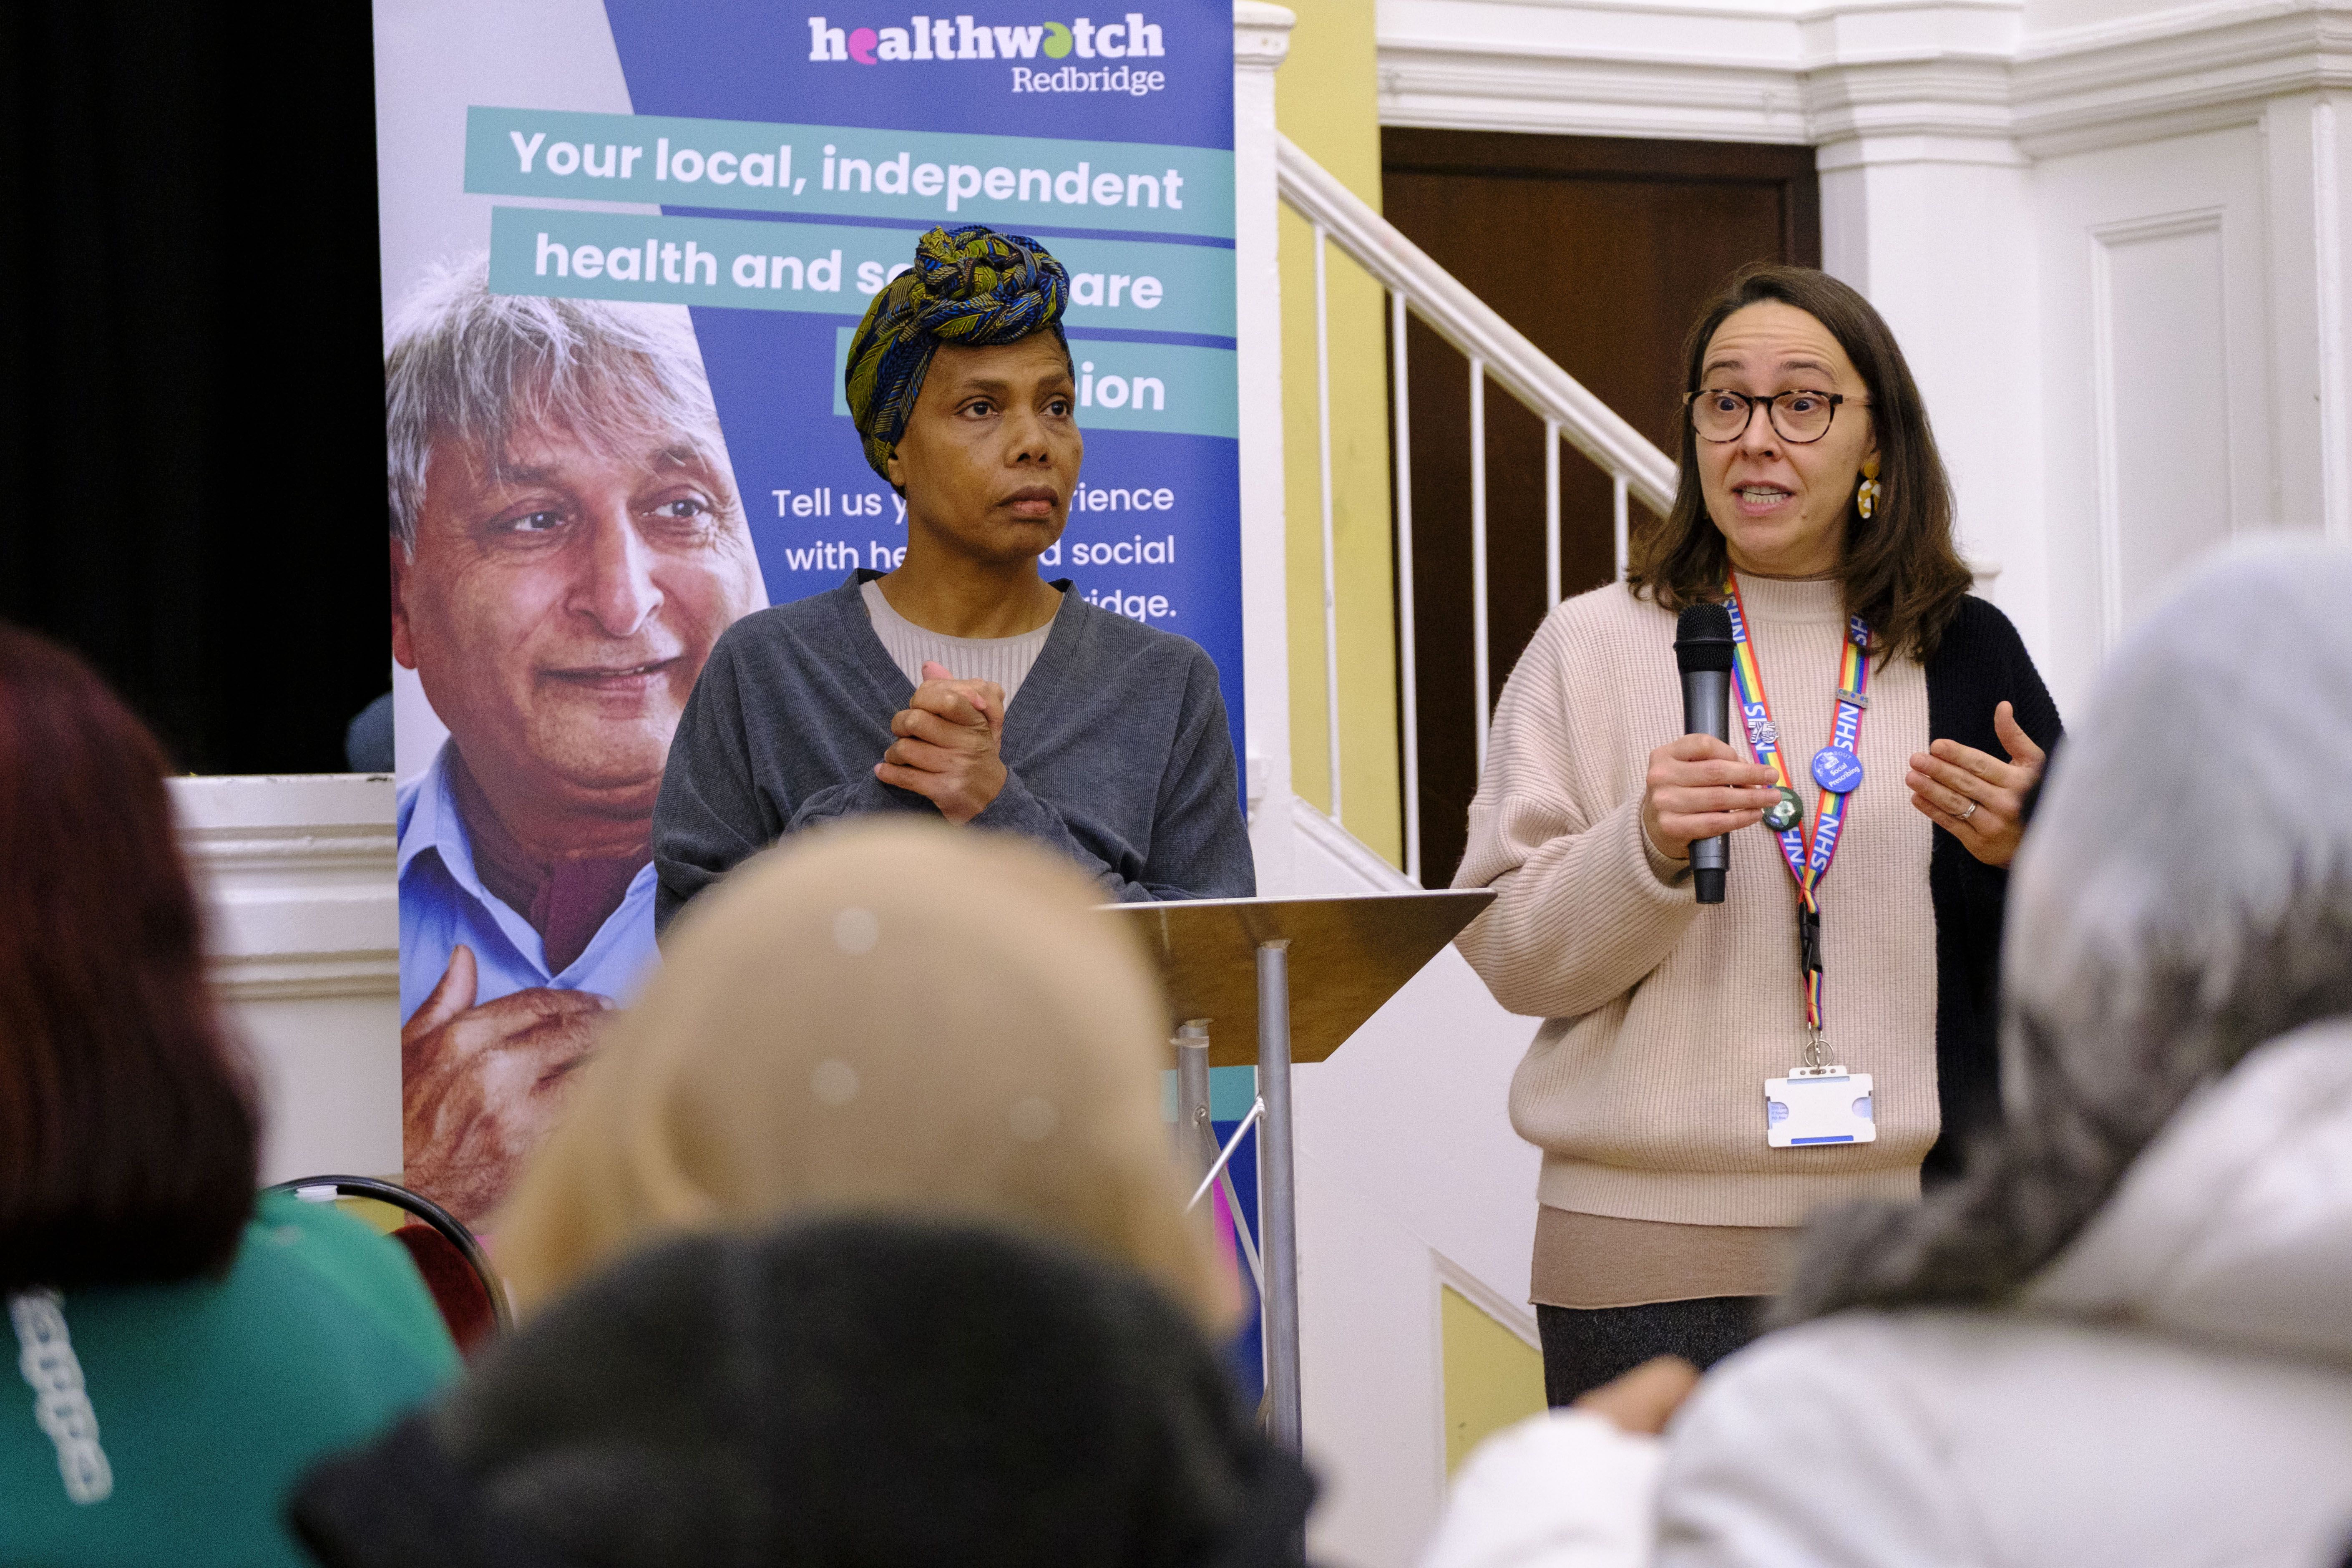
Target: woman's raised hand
[1698,788]
[1978,799]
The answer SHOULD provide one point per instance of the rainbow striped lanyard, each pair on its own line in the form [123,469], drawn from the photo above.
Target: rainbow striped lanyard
[1806,853]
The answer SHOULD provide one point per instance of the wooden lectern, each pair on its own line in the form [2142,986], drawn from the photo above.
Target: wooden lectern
[1310,971]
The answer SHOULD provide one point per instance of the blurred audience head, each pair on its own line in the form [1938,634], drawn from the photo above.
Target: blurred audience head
[887,1017]
[127,1126]
[2184,896]
[842,1393]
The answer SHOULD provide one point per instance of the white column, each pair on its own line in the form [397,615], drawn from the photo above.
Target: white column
[1938,231]
[1261,40]
[1927,207]
[2307,141]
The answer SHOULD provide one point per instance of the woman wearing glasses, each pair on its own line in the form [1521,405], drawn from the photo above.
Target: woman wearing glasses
[1888,731]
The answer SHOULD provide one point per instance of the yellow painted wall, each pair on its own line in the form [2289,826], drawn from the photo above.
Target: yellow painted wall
[1327,101]
[1493,1377]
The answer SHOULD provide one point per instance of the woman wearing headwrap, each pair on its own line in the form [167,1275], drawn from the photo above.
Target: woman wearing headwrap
[896,692]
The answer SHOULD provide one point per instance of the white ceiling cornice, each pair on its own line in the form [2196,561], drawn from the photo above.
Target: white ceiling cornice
[1943,80]
[2187,71]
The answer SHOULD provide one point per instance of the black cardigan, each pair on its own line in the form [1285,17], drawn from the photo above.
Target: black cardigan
[1981,663]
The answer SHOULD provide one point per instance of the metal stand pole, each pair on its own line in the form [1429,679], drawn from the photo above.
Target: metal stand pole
[1277,1193]
[1196,1138]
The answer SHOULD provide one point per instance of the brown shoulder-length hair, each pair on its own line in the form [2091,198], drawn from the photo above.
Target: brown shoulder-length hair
[1901,573]
[127,1123]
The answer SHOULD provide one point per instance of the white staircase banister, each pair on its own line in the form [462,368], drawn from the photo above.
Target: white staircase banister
[1474,327]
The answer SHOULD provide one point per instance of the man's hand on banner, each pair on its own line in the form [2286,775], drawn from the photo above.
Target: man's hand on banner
[949,734]
[480,1086]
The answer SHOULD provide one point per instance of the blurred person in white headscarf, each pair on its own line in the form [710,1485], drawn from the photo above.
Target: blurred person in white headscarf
[2126,1335]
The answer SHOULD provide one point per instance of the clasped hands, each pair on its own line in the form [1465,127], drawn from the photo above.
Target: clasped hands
[949,733]
[1698,787]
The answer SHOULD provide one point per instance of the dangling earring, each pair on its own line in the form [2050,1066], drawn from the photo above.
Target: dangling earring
[1866,497]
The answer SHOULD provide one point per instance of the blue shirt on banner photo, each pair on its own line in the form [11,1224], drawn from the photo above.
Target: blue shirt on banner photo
[443,903]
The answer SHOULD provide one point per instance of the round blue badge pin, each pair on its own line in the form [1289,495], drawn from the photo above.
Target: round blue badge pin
[1835,771]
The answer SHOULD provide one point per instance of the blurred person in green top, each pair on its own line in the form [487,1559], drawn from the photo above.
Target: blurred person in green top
[184,1351]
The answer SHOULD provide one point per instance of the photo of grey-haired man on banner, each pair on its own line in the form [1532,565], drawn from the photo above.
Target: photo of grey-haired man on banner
[567,543]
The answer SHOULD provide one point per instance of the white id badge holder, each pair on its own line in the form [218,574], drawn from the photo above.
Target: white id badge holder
[1818,1105]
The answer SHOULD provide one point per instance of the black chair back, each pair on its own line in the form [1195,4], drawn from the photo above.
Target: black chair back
[468,1290]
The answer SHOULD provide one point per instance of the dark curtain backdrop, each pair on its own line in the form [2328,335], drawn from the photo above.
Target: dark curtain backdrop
[191,364]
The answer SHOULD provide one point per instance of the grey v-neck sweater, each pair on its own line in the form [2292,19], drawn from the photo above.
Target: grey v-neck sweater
[1116,752]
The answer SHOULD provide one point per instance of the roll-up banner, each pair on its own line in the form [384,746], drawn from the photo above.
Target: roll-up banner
[624,248]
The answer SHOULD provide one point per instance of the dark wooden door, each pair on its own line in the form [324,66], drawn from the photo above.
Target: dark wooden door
[1602,252]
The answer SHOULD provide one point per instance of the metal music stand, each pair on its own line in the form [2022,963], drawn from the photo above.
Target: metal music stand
[1232,959]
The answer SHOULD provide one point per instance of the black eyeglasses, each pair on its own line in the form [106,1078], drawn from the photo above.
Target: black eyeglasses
[1720,415]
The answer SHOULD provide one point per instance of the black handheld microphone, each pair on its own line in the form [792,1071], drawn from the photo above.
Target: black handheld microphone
[1703,653]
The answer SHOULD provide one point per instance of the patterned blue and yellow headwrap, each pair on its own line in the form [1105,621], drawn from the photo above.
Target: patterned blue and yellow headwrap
[971,287]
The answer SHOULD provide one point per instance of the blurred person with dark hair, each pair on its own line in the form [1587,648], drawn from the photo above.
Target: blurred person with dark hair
[2123,1336]
[186,1354]
[961,685]
[567,543]
[836,1393]
[1862,929]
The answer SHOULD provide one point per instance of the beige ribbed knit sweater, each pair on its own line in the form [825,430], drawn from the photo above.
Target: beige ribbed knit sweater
[1644,1088]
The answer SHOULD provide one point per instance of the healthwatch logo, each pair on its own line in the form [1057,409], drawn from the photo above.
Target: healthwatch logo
[958,38]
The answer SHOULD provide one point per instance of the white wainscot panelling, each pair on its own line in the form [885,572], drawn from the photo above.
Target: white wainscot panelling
[2155,397]
[303,923]
[2309,140]
[2159,378]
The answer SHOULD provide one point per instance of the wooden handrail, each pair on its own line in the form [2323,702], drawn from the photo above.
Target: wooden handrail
[1473,326]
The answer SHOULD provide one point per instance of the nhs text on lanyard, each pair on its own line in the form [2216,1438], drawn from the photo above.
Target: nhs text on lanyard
[1819,1102]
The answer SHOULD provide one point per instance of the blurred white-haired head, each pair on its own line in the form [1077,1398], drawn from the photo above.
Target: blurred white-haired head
[2184,895]
[2186,892]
